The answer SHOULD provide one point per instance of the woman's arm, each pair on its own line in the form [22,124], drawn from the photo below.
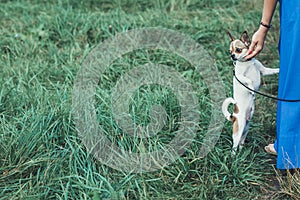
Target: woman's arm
[259,36]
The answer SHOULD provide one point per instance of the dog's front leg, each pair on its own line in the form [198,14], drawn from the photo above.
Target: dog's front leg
[269,71]
[266,71]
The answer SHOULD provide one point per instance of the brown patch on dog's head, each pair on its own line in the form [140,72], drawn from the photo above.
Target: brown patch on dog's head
[239,47]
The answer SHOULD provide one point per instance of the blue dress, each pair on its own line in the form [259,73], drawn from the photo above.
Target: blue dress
[287,142]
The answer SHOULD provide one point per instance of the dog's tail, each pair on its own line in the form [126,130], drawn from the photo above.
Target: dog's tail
[225,105]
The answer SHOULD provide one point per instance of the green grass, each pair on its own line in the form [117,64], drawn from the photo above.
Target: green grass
[43,45]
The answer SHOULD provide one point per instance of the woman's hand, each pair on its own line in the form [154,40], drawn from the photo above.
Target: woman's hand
[257,43]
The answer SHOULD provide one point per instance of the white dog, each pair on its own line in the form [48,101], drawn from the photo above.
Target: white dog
[249,73]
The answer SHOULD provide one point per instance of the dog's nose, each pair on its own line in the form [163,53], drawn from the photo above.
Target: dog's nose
[233,57]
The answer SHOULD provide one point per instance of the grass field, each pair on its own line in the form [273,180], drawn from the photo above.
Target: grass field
[43,45]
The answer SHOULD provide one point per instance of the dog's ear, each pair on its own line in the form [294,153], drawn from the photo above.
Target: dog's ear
[245,38]
[230,36]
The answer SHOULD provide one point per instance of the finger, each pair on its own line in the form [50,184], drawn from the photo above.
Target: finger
[248,57]
[258,49]
[250,51]
[252,47]
[251,55]
[254,53]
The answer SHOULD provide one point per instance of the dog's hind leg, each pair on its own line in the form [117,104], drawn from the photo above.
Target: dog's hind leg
[247,125]
[237,133]
[244,135]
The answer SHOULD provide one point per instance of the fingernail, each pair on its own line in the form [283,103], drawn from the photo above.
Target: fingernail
[249,52]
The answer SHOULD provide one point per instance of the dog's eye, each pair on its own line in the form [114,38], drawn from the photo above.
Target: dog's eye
[238,50]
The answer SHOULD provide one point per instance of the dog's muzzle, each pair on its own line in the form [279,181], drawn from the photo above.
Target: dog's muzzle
[233,57]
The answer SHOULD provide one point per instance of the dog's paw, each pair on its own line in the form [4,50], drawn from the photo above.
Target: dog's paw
[241,147]
[233,151]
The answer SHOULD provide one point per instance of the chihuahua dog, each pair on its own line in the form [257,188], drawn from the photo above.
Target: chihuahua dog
[249,73]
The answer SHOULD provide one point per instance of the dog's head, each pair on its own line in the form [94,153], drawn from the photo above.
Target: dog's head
[239,47]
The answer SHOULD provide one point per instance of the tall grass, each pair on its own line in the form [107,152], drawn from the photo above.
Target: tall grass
[41,155]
